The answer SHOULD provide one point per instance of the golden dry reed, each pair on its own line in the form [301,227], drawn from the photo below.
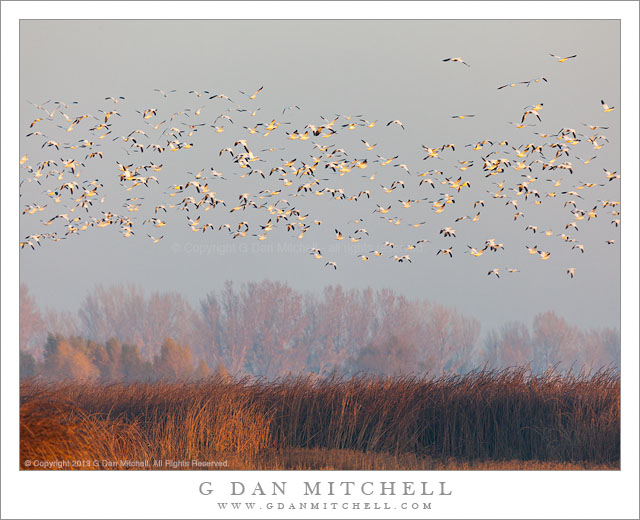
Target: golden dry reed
[475,421]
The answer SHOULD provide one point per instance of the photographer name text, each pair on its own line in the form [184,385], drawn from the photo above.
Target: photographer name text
[328,488]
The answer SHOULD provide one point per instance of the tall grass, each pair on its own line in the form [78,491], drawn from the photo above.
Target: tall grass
[482,416]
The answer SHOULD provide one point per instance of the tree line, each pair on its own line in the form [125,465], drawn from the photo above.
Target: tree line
[269,329]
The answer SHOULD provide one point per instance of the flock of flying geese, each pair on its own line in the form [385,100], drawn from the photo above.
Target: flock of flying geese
[513,177]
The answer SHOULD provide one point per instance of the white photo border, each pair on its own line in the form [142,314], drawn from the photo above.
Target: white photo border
[476,494]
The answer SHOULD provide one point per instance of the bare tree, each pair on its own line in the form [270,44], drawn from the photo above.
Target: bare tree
[269,329]
[554,341]
[450,340]
[32,326]
[510,346]
[125,312]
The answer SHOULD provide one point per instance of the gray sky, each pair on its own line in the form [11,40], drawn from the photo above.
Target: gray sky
[382,70]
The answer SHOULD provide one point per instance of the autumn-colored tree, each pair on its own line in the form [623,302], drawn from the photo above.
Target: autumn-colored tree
[115,371]
[202,370]
[107,359]
[67,358]
[389,357]
[28,366]
[174,362]
[134,367]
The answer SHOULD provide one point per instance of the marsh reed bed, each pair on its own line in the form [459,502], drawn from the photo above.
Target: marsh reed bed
[456,422]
